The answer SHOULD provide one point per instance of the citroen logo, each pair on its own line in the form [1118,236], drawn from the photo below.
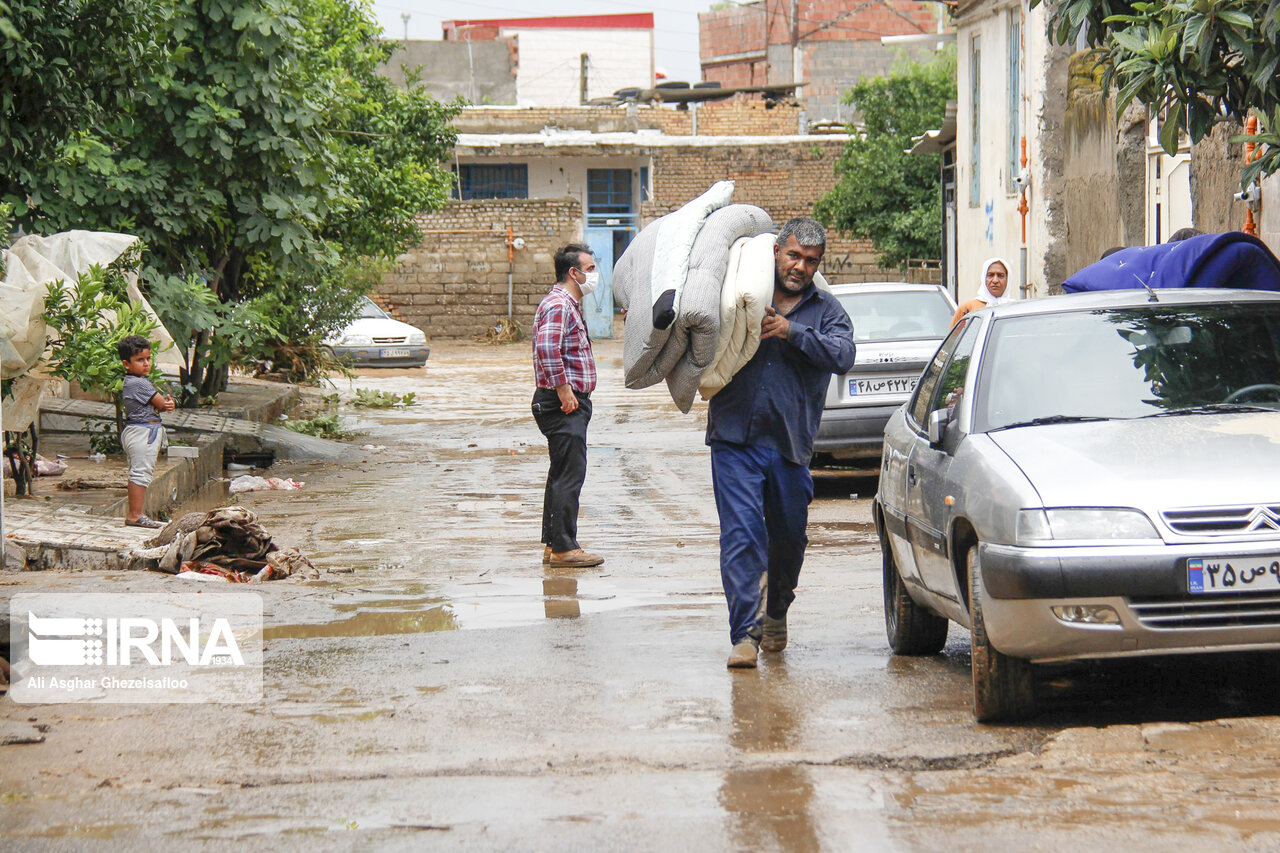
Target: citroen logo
[1263,518]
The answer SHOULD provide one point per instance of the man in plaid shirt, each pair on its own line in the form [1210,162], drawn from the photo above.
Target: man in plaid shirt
[565,371]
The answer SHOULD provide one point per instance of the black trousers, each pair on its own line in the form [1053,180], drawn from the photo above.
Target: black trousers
[567,447]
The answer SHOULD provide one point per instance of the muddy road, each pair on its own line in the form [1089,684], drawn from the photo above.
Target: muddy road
[439,688]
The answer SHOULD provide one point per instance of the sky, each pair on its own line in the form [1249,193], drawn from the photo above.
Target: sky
[675,24]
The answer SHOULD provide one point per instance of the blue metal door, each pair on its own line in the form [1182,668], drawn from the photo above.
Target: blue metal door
[597,308]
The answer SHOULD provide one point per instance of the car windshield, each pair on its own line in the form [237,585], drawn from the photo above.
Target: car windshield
[1129,363]
[370,311]
[880,315]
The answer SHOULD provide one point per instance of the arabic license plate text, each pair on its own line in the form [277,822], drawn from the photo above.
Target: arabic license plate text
[399,352]
[1247,574]
[882,385]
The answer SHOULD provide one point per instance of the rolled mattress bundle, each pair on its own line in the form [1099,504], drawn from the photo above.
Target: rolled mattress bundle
[671,280]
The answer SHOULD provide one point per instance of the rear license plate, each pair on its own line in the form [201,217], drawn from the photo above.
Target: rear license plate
[1250,574]
[400,352]
[882,385]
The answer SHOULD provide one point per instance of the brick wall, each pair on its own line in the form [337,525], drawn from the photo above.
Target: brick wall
[751,45]
[732,31]
[785,180]
[744,29]
[454,285]
[739,116]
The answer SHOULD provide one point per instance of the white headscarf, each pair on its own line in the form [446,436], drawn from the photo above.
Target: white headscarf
[984,294]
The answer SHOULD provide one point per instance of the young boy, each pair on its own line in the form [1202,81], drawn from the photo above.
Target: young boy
[143,436]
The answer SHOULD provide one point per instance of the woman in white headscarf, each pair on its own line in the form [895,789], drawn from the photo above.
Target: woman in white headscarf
[994,290]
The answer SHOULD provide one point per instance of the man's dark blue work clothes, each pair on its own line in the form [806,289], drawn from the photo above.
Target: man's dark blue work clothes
[761,428]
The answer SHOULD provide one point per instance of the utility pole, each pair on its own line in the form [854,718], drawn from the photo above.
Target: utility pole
[582,78]
[404,16]
[796,57]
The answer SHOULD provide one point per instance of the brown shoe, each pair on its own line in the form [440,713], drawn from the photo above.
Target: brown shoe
[546,555]
[743,655]
[577,558]
[774,637]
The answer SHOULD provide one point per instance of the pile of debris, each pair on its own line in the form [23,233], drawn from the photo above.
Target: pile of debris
[227,542]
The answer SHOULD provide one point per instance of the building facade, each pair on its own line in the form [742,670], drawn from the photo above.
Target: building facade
[532,180]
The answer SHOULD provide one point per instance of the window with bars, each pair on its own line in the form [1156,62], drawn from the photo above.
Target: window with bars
[609,192]
[492,180]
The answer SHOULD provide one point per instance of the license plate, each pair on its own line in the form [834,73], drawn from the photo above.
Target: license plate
[1248,574]
[882,385]
[400,352]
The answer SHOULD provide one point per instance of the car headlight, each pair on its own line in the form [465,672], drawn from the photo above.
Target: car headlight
[357,341]
[417,338]
[1040,526]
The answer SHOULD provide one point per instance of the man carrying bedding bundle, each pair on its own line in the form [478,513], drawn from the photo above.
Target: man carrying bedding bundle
[761,428]
[565,371]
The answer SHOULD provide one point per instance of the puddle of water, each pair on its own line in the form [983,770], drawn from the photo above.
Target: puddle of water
[351,718]
[369,623]
[99,831]
[481,604]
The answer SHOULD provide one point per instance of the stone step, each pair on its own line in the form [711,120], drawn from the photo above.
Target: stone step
[64,415]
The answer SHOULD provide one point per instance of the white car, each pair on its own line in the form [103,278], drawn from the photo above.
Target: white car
[375,339]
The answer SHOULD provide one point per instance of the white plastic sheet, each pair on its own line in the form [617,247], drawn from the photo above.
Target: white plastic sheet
[32,263]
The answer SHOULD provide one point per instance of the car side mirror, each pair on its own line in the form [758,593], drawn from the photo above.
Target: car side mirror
[938,420]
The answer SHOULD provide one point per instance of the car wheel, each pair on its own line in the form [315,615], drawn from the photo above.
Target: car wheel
[912,629]
[1002,688]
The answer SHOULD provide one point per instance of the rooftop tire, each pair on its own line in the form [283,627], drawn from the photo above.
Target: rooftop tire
[912,629]
[1002,687]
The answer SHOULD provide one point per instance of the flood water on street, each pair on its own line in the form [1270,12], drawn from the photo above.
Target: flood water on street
[438,687]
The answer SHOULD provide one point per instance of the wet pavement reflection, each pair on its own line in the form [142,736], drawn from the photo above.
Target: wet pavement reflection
[769,804]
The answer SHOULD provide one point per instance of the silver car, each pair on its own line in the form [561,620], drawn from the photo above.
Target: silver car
[1088,476]
[897,328]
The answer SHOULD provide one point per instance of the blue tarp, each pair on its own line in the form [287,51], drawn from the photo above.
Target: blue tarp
[1233,259]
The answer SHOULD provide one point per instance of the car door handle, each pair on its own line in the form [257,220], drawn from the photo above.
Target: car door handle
[911,475]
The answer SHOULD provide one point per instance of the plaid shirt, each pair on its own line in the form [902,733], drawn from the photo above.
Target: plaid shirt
[561,348]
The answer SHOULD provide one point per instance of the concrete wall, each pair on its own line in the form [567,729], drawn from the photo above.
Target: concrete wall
[481,72]
[1269,218]
[550,66]
[1216,165]
[454,285]
[988,221]
[1104,169]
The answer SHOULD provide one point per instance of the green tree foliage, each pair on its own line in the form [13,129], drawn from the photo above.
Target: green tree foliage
[209,332]
[258,150]
[1194,62]
[882,193]
[65,65]
[86,325]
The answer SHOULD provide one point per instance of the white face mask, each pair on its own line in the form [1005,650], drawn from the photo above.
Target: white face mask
[591,280]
